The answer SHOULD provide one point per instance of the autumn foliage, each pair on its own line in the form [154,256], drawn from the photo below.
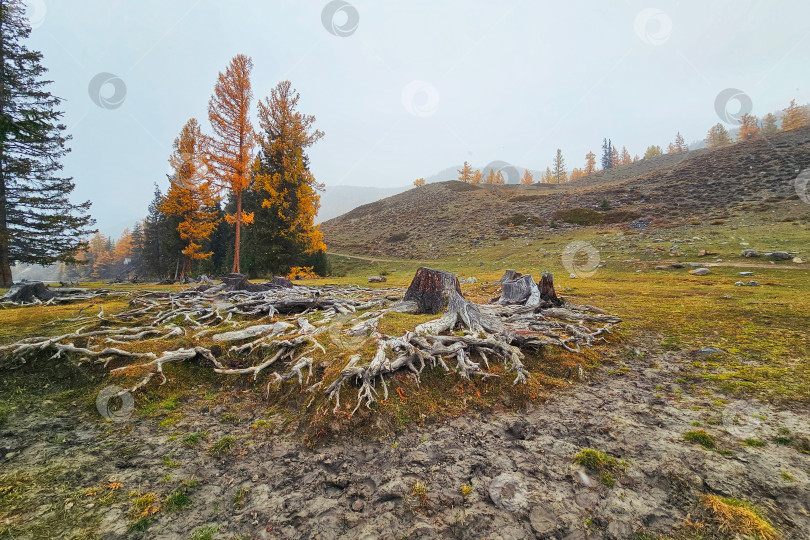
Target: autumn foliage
[229,152]
[191,196]
[282,173]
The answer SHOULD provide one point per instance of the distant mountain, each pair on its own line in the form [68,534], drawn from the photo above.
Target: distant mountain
[337,200]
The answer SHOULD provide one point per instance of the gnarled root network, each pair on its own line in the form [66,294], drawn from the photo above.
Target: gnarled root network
[287,327]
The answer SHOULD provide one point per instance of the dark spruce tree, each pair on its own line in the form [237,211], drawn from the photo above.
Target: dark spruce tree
[607,152]
[38,222]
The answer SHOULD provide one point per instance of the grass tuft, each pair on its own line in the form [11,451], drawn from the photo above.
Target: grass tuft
[737,517]
[699,436]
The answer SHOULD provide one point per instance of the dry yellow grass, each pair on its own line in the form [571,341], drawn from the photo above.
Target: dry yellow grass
[738,517]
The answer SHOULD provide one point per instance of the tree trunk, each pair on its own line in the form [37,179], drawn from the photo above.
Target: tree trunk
[5,266]
[238,233]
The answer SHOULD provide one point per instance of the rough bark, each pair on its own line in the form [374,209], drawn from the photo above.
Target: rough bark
[431,290]
[28,292]
[547,292]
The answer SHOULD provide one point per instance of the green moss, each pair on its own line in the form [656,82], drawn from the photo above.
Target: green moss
[756,443]
[700,437]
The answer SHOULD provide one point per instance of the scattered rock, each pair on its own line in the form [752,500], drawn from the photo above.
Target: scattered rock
[752,284]
[711,350]
[377,279]
[508,492]
[750,253]
[676,265]
[738,283]
[779,255]
[358,505]
[543,521]
[798,260]
[661,267]
[470,280]
[699,271]
[746,273]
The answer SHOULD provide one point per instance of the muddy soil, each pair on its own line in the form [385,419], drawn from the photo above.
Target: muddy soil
[272,486]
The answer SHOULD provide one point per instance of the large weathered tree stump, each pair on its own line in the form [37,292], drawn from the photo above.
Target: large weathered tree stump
[28,292]
[431,290]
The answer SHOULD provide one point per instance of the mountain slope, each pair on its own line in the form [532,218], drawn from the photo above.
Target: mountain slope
[698,185]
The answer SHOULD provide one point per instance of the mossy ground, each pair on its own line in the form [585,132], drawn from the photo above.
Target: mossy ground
[760,328]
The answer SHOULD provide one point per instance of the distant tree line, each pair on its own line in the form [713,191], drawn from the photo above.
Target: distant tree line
[794,116]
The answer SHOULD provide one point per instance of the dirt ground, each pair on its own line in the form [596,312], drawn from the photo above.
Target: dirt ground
[433,481]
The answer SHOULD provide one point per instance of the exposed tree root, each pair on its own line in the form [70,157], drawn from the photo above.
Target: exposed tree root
[276,326]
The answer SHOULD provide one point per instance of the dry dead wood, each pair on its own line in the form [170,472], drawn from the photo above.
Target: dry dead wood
[281,329]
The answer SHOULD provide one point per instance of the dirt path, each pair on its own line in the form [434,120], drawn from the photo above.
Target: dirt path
[273,487]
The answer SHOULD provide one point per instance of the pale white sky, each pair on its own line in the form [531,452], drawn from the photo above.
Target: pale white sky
[418,85]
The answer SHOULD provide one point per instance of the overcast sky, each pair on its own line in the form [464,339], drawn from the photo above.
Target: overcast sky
[403,89]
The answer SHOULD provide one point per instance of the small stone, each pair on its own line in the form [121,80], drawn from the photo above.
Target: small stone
[508,492]
[798,260]
[699,271]
[746,273]
[711,350]
[750,253]
[779,255]
[358,505]
[543,521]
[661,267]
[377,279]
[738,283]
[752,284]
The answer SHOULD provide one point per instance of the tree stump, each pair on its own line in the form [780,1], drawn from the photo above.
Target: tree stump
[547,293]
[431,290]
[28,292]
[520,290]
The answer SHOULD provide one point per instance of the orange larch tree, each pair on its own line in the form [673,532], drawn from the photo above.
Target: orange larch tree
[749,127]
[191,196]
[491,177]
[625,157]
[477,177]
[228,154]
[527,179]
[465,173]
[590,163]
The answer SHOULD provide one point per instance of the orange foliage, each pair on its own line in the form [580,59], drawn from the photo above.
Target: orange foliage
[590,163]
[291,188]
[228,154]
[191,195]
[527,178]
